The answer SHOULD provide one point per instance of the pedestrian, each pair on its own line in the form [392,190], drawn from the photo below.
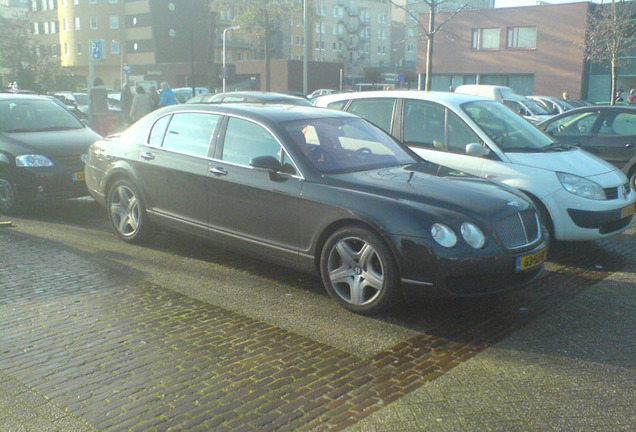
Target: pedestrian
[141,104]
[631,99]
[619,97]
[154,97]
[98,107]
[167,96]
[125,103]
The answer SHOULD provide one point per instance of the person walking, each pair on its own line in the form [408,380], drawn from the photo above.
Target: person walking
[98,107]
[167,97]
[125,103]
[141,104]
[154,96]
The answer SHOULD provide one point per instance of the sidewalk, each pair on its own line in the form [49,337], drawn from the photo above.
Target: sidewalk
[573,369]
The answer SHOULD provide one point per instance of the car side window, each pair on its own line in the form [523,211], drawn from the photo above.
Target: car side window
[339,105]
[191,133]
[245,140]
[377,111]
[622,124]
[578,124]
[158,131]
[460,135]
[424,124]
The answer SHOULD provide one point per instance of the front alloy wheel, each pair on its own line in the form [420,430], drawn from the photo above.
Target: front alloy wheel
[358,270]
[8,196]
[127,213]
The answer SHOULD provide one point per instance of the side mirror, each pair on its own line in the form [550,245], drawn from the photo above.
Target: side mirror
[268,163]
[476,149]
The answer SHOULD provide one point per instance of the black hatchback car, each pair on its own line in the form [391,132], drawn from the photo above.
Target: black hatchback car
[42,147]
[609,132]
[321,190]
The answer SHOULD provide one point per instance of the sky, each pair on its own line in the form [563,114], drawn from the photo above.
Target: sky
[515,3]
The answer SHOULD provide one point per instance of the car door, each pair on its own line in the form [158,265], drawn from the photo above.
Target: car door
[439,135]
[615,139]
[174,166]
[248,206]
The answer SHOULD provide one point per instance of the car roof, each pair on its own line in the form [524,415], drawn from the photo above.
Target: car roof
[267,113]
[26,96]
[433,96]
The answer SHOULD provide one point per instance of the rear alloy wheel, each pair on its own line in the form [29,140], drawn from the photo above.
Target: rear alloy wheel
[127,213]
[359,271]
[8,196]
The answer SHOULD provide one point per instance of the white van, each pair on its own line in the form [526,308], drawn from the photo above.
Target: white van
[527,108]
[579,196]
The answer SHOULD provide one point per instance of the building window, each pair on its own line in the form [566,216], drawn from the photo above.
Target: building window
[36,28]
[67,49]
[115,47]
[92,1]
[78,48]
[114,22]
[522,37]
[93,23]
[113,1]
[486,39]
[77,23]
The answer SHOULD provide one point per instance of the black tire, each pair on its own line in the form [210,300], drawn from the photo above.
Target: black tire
[127,213]
[9,200]
[359,271]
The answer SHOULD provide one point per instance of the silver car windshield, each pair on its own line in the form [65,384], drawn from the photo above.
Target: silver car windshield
[509,131]
[338,145]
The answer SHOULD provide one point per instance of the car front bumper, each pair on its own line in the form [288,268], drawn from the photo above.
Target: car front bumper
[49,183]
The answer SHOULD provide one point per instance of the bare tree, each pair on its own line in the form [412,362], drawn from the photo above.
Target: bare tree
[262,18]
[609,35]
[429,29]
[16,40]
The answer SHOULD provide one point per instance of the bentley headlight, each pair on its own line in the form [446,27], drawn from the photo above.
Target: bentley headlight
[444,235]
[581,186]
[33,160]
[473,235]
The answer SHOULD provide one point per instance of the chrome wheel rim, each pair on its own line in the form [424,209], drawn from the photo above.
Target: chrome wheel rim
[7,197]
[356,271]
[124,210]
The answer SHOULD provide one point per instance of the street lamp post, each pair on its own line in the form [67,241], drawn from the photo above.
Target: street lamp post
[224,73]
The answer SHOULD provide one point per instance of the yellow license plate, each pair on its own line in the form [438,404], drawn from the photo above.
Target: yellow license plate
[526,262]
[79,176]
[628,211]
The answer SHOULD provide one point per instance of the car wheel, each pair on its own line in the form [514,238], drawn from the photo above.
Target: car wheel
[127,213]
[359,271]
[9,203]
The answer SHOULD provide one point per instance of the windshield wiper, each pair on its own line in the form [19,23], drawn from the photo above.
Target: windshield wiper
[557,147]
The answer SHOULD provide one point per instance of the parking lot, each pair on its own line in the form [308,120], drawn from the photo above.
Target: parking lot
[101,335]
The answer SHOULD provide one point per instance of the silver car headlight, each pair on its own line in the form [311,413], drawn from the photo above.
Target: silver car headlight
[581,186]
[473,235]
[33,160]
[444,235]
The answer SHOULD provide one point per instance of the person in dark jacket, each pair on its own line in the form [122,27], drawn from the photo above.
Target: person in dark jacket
[98,107]
[125,103]
[167,96]
[141,104]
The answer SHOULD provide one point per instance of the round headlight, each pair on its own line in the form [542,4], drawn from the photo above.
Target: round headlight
[473,235]
[443,235]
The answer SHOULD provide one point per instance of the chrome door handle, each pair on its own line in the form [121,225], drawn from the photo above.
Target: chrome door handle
[147,156]
[218,171]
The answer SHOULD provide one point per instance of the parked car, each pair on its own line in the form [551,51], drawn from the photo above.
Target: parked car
[77,99]
[525,107]
[609,132]
[579,196]
[70,107]
[553,105]
[251,97]
[42,147]
[529,109]
[184,93]
[320,190]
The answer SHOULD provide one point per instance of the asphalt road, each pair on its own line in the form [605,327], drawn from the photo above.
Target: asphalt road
[295,301]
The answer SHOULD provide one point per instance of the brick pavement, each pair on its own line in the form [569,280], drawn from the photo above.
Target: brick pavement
[86,346]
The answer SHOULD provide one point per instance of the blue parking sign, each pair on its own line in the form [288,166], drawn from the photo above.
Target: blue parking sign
[96,50]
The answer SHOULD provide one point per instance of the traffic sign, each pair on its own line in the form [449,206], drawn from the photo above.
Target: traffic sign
[97,50]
